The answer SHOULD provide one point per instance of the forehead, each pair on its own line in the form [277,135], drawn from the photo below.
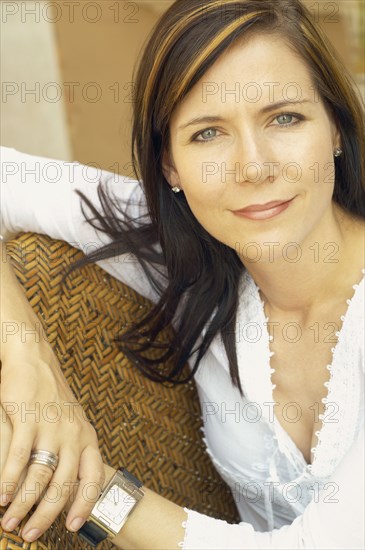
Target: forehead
[251,72]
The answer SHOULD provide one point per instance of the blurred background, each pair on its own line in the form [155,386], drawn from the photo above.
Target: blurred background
[66,71]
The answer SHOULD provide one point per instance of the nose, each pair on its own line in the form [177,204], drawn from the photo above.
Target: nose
[256,159]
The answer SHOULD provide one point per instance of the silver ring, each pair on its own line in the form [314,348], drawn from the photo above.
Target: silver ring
[46,458]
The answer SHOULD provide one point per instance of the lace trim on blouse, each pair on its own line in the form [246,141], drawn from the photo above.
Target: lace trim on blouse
[343,387]
[184,524]
[343,396]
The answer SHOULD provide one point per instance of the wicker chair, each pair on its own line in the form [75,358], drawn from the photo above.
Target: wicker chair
[152,429]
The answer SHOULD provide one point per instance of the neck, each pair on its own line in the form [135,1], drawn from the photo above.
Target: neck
[300,278]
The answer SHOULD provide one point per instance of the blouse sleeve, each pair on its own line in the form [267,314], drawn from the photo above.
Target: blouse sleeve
[39,195]
[335,524]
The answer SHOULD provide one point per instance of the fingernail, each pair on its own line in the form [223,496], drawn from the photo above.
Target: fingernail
[31,535]
[77,523]
[11,524]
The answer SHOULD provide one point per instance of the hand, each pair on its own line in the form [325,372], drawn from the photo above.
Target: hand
[44,414]
[6,432]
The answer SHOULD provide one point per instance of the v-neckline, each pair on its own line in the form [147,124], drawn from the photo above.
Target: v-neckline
[283,437]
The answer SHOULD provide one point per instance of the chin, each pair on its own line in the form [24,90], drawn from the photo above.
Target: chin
[270,249]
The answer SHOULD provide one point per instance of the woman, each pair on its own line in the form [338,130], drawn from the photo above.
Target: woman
[249,141]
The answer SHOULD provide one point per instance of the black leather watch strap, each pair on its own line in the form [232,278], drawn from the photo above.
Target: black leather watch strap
[92,533]
[131,477]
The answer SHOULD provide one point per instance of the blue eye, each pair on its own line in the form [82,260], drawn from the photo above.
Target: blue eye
[284,119]
[288,119]
[207,134]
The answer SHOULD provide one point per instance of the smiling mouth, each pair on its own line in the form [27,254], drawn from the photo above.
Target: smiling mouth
[263,211]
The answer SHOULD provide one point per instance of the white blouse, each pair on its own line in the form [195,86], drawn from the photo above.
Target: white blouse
[282,501]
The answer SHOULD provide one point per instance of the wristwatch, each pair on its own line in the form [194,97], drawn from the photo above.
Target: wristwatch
[113,507]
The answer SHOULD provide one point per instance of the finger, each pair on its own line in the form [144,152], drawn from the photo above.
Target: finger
[16,462]
[6,435]
[91,476]
[29,493]
[44,487]
[37,478]
[55,499]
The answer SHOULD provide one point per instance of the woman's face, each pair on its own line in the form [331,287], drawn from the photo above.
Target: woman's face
[266,137]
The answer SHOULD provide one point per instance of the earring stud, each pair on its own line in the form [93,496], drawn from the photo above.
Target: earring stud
[176,189]
[338,152]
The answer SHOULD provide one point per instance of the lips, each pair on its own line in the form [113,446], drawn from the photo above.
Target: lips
[263,212]
[262,207]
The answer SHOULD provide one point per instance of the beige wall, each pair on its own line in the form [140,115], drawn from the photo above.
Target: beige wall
[33,119]
[91,52]
[99,59]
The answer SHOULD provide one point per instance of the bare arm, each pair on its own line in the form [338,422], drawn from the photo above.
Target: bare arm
[155,524]
[31,378]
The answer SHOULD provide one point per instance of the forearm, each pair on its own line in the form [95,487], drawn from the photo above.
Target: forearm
[20,325]
[14,304]
[155,523]
[19,322]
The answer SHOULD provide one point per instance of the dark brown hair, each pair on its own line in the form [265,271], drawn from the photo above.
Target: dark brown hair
[202,273]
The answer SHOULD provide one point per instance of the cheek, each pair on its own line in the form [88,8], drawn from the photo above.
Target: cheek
[208,203]
[309,166]
[205,206]
[318,176]
[203,185]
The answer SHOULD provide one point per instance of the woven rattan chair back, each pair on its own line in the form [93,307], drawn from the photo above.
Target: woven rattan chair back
[150,428]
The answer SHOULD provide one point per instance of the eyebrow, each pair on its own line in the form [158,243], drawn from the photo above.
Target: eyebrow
[264,110]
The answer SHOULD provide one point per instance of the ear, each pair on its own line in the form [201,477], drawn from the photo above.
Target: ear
[169,170]
[336,135]
[337,139]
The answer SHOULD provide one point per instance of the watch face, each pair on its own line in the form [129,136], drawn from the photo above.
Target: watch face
[115,505]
